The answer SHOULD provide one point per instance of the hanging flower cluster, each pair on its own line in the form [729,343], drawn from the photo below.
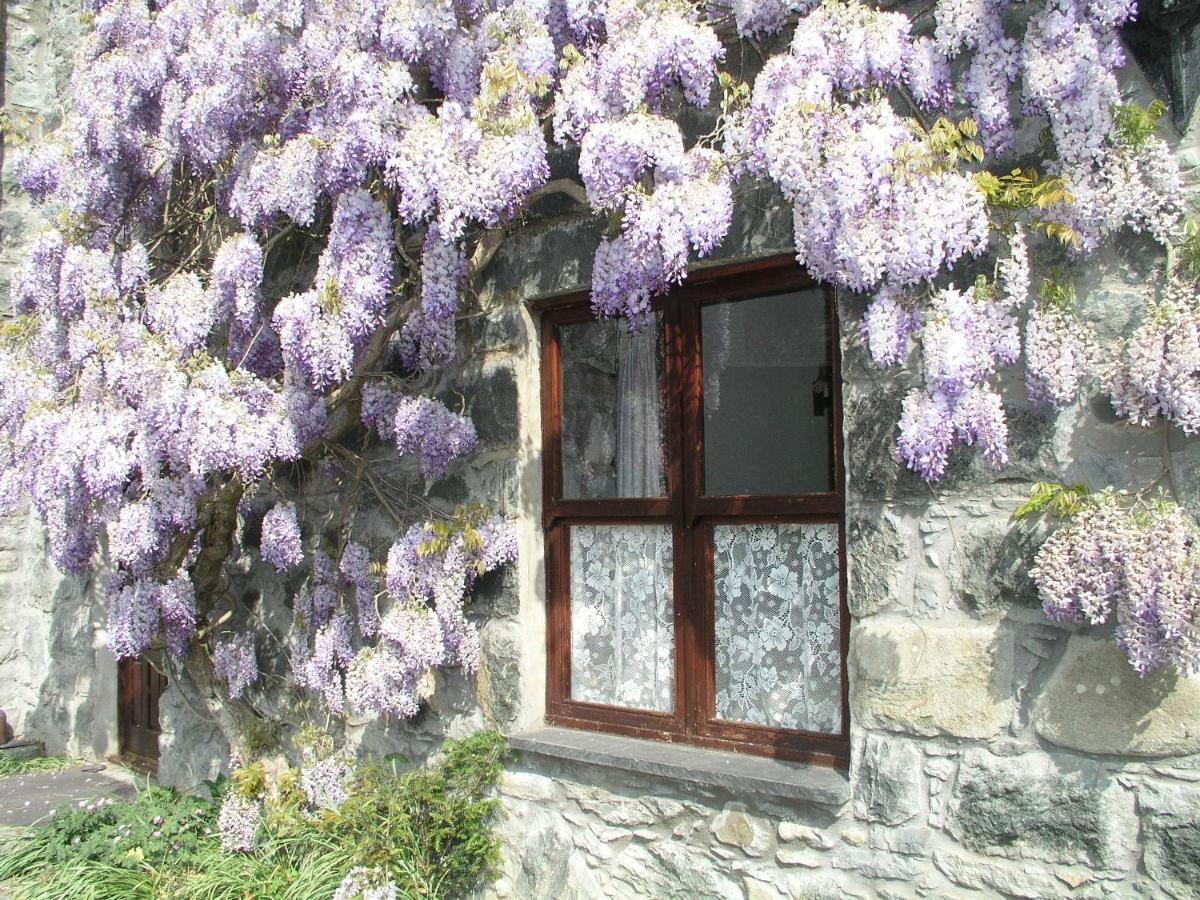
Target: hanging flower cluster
[236,664]
[429,569]
[155,376]
[1133,562]
[1158,371]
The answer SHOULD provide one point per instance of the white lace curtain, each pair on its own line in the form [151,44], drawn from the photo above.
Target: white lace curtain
[778,625]
[622,634]
[622,630]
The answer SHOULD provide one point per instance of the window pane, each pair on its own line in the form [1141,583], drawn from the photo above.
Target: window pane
[622,634]
[768,410]
[613,429]
[778,626]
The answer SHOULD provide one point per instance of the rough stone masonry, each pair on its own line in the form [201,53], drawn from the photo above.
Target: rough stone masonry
[993,753]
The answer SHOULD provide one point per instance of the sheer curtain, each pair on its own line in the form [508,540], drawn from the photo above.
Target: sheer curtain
[639,461]
[622,627]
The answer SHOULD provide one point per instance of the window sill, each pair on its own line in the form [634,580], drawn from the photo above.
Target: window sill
[737,772]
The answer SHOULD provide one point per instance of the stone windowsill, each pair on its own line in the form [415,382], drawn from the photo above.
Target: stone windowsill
[737,772]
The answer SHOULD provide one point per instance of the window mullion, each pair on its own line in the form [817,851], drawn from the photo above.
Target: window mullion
[690,592]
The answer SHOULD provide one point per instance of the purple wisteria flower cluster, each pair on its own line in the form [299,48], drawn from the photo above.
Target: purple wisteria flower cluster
[428,572]
[326,781]
[236,663]
[174,349]
[1157,373]
[1135,563]
[280,544]
[372,653]
[237,823]
[365,884]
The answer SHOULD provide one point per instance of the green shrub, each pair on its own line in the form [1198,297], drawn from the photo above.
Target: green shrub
[429,829]
[430,826]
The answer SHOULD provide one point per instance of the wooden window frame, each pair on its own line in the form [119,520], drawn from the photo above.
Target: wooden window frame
[690,515]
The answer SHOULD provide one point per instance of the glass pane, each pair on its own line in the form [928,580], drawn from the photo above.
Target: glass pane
[768,411]
[622,634]
[778,626]
[613,426]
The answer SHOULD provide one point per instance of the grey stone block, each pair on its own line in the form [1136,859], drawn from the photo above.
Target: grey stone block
[492,405]
[875,556]
[1094,702]
[1031,806]
[989,568]
[1170,814]
[887,784]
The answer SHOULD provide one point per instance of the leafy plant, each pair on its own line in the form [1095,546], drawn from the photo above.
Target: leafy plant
[1056,500]
[41,765]
[1135,126]
[432,824]
[429,829]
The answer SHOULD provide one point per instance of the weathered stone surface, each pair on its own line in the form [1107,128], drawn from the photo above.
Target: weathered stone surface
[1170,815]
[675,871]
[869,418]
[791,831]
[1032,806]
[875,553]
[528,786]
[822,886]
[519,266]
[971,871]
[12,751]
[989,567]
[192,748]
[809,859]
[543,848]
[499,678]
[760,890]
[734,827]
[497,595]
[876,865]
[911,840]
[1094,702]
[887,785]
[931,680]
[492,405]
[495,329]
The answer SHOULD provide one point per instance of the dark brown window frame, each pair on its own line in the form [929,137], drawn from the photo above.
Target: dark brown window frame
[690,515]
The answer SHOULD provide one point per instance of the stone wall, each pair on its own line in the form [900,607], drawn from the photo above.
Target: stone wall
[993,753]
[57,682]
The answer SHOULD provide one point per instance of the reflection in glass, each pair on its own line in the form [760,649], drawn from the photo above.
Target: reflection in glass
[768,420]
[622,634]
[778,626]
[613,428]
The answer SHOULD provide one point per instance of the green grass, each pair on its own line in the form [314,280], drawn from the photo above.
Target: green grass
[430,828]
[37,766]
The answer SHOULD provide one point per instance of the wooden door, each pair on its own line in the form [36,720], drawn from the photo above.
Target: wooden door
[139,686]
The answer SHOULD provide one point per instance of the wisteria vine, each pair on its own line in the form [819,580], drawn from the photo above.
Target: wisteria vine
[157,378]
[1132,560]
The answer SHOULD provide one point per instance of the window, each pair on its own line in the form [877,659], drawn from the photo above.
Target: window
[694,517]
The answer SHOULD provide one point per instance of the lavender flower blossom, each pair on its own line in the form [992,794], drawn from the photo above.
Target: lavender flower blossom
[237,823]
[235,663]
[281,545]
